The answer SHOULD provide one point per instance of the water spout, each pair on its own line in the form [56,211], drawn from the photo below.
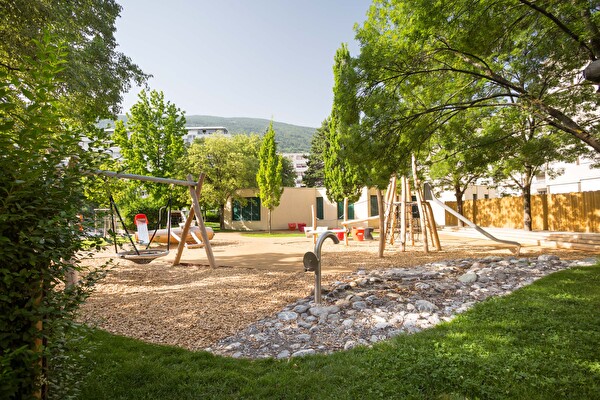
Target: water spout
[312,261]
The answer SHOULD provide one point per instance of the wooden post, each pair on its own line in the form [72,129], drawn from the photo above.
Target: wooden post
[188,223]
[381,223]
[388,201]
[403,195]
[410,215]
[200,221]
[435,238]
[345,218]
[420,204]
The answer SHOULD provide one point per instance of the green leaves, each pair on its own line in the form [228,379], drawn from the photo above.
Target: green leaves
[422,63]
[269,176]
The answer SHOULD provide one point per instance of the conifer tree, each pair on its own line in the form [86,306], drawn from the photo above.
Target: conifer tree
[269,177]
[341,177]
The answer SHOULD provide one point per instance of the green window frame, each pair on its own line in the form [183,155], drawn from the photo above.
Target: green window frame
[320,212]
[340,210]
[248,212]
[374,205]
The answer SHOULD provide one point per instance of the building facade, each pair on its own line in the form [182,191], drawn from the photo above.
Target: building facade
[296,207]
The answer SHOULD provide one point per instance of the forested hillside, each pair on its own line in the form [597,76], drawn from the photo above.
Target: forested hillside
[290,138]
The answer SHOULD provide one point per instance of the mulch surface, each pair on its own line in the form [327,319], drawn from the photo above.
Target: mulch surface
[193,305]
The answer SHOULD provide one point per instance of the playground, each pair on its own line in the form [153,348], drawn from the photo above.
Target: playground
[192,305]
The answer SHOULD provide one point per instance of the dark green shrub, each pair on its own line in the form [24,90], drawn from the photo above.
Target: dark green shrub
[40,243]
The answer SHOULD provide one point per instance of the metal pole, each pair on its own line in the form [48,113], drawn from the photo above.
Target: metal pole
[145,178]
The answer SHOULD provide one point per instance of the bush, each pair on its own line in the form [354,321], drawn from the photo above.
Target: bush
[40,239]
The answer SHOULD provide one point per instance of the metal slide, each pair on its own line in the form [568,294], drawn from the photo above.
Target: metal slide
[428,194]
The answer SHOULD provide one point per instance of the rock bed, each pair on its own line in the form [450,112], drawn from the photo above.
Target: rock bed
[369,306]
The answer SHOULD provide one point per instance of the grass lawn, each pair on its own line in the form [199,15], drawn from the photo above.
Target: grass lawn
[541,342]
[275,234]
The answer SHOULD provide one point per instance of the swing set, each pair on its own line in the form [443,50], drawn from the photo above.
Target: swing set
[144,256]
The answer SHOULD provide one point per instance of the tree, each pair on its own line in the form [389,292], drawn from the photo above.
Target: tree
[288,173]
[422,63]
[341,178]
[151,144]
[269,176]
[94,74]
[42,165]
[531,147]
[461,153]
[315,174]
[230,164]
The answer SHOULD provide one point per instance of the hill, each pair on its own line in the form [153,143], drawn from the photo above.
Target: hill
[290,138]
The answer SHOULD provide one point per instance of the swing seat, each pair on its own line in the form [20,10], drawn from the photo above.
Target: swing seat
[144,256]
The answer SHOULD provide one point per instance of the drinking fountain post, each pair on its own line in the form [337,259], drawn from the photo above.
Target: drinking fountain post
[312,261]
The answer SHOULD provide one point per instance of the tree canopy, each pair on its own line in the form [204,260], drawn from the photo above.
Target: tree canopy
[59,73]
[422,63]
[230,163]
[269,176]
[342,177]
[151,144]
[94,75]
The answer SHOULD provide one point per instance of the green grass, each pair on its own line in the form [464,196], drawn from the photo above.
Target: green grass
[275,234]
[541,342]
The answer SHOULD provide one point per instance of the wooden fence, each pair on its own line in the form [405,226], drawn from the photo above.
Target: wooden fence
[571,212]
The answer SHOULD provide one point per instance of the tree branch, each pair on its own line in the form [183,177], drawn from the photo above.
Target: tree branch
[562,26]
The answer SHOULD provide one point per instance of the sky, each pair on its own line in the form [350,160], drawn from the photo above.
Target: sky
[267,59]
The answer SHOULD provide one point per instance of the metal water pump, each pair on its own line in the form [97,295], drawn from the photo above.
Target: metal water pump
[312,261]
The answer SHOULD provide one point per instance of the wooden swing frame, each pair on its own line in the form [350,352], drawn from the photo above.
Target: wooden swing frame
[195,188]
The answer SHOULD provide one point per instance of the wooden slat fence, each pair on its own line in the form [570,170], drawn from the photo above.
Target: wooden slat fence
[570,212]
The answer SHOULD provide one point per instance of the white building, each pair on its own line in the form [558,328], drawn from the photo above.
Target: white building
[199,132]
[574,177]
[300,163]
[193,133]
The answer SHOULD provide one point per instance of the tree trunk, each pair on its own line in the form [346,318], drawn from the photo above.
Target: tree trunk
[527,199]
[222,216]
[269,221]
[459,203]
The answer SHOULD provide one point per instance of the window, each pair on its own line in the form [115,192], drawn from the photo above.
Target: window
[319,207]
[374,206]
[249,212]
[340,208]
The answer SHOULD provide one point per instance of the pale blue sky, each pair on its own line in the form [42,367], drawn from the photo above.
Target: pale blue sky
[241,58]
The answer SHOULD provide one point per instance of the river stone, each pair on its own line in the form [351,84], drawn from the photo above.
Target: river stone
[283,354]
[547,257]
[323,310]
[303,352]
[287,316]
[301,308]
[359,305]
[469,277]
[425,306]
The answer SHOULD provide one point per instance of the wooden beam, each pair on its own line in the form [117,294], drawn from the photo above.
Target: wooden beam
[420,204]
[200,221]
[188,223]
[381,217]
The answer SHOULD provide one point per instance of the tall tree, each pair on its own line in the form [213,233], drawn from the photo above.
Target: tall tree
[151,144]
[94,74]
[42,164]
[530,149]
[288,173]
[315,174]
[230,164]
[461,154]
[342,179]
[269,176]
[422,63]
